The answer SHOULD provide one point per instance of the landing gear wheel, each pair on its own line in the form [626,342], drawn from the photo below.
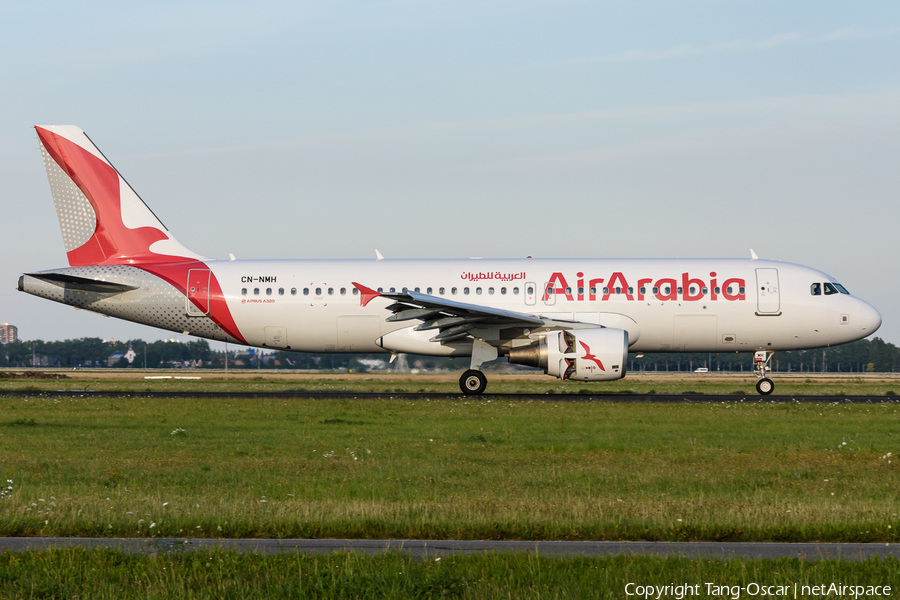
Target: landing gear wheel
[473,382]
[765,386]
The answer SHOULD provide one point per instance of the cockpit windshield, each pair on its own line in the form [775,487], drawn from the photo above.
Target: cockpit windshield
[830,288]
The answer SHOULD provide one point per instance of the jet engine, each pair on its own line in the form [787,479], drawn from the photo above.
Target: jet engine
[581,354]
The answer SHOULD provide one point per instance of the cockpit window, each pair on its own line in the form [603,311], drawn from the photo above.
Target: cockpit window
[815,289]
[841,288]
[830,289]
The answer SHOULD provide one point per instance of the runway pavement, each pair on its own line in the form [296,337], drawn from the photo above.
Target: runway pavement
[662,398]
[428,549]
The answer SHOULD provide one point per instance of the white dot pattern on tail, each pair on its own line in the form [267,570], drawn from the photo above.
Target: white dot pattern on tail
[77,220]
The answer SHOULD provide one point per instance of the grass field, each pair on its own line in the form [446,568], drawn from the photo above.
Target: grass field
[110,574]
[878,384]
[449,469]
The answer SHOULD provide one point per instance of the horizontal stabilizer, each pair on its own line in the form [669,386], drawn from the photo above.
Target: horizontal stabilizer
[84,284]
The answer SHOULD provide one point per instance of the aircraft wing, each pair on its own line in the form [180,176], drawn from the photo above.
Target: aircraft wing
[452,319]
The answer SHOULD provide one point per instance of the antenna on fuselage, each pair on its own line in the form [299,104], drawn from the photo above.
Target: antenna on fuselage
[753,255]
[378,255]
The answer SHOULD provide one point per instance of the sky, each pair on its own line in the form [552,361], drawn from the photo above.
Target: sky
[471,128]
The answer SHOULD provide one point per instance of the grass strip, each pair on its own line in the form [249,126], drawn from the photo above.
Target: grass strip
[81,573]
[297,468]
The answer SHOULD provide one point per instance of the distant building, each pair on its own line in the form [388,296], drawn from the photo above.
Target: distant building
[115,358]
[8,333]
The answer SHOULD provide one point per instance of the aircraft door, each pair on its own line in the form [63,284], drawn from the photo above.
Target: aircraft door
[530,294]
[548,294]
[197,300]
[768,299]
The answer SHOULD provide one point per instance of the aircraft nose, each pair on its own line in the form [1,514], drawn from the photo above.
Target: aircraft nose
[869,318]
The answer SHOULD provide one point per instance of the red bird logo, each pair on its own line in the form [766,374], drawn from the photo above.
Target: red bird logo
[589,356]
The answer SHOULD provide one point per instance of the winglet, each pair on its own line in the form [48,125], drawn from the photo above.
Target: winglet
[366,294]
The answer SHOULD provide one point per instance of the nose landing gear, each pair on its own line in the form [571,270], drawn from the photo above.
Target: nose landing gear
[761,364]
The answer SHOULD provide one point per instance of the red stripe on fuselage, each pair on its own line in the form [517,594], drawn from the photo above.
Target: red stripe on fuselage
[177,275]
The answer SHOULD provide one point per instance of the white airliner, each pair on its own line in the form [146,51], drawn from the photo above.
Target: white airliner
[574,318]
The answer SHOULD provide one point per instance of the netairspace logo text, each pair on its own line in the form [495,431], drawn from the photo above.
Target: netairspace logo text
[755,590]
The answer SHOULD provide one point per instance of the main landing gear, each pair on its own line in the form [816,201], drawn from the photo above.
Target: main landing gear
[473,382]
[761,364]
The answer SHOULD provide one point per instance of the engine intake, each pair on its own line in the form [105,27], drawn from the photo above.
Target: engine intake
[582,354]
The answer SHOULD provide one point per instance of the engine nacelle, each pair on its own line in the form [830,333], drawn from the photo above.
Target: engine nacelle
[580,354]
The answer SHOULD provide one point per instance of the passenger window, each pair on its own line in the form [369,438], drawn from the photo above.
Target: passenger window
[549,291]
[704,289]
[502,291]
[581,291]
[693,289]
[244,292]
[716,289]
[380,290]
[830,289]
[815,289]
[478,291]
[729,290]
[318,291]
[516,291]
[343,291]
[490,290]
[618,290]
[593,290]
[453,291]
[293,291]
[680,290]
[268,291]
[605,290]
[418,290]
[655,290]
[331,291]
[441,291]
[530,290]
[405,290]
[355,291]
[466,291]
[306,291]
[393,290]
[256,291]
[741,290]
[428,291]
[643,290]
[568,291]
[630,290]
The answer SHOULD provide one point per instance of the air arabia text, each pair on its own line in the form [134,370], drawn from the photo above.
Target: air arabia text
[686,288]
[496,276]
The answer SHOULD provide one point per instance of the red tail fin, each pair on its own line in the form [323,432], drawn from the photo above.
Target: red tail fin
[103,221]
